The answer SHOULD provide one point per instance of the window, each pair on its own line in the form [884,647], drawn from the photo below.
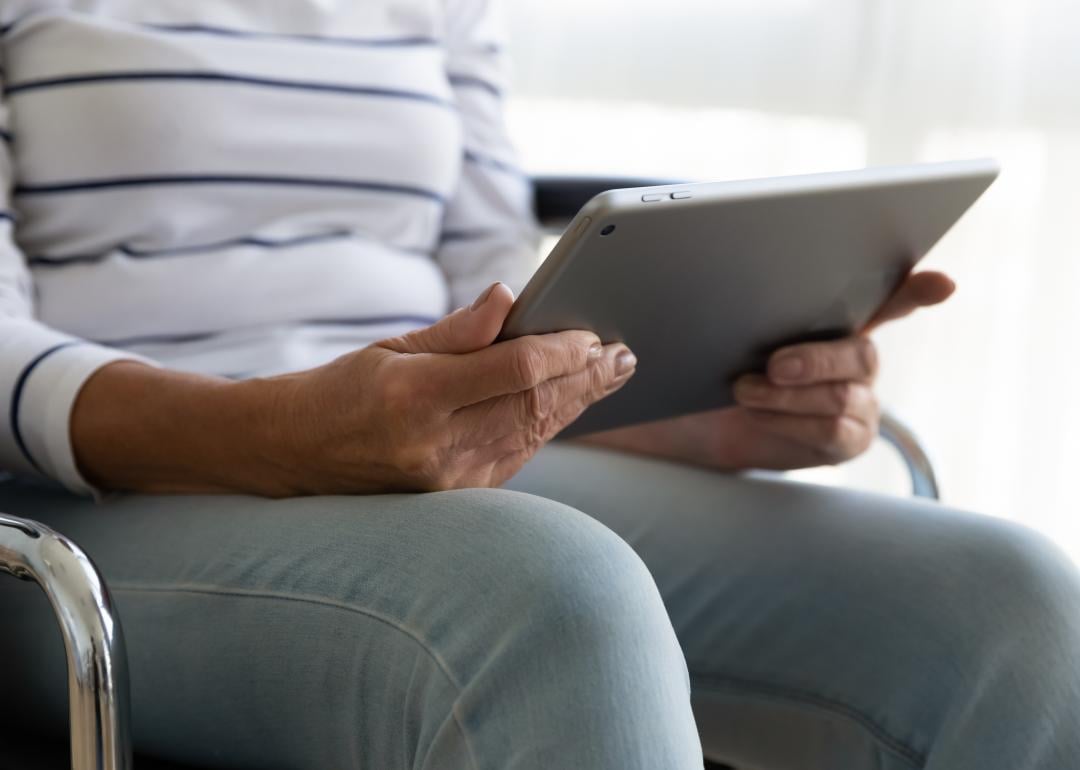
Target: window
[742,88]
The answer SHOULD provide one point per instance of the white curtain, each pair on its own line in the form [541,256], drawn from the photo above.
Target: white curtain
[720,89]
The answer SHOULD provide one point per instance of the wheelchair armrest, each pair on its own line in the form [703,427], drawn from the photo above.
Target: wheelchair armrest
[903,439]
[97,662]
[558,199]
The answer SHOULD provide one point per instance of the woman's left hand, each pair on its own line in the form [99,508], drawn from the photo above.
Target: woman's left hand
[815,405]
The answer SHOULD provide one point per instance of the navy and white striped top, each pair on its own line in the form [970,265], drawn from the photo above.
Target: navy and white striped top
[239,187]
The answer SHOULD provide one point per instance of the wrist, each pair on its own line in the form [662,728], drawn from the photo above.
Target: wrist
[710,439]
[245,445]
[270,438]
[652,439]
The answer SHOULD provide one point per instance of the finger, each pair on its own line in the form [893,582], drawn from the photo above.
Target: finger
[832,399]
[919,290]
[533,416]
[510,367]
[511,452]
[829,439]
[463,331]
[852,358]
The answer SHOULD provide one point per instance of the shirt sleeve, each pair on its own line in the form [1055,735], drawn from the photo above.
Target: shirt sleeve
[489,229]
[41,369]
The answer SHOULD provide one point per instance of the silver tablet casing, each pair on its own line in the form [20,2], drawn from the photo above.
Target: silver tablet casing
[703,281]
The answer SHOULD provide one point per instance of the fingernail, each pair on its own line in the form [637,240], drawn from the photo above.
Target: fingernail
[788,367]
[596,350]
[625,363]
[484,297]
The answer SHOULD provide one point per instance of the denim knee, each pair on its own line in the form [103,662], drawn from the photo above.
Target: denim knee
[561,584]
[567,650]
[998,622]
[1005,583]
[1029,603]
[556,566]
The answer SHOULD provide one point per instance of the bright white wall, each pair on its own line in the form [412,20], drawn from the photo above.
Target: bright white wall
[737,88]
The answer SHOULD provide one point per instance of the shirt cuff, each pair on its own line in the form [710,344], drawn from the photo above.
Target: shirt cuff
[42,404]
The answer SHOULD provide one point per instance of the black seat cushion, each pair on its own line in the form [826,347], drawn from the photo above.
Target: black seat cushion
[26,755]
[21,755]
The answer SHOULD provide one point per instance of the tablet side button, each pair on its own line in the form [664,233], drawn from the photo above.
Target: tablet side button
[583,227]
[652,197]
[681,196]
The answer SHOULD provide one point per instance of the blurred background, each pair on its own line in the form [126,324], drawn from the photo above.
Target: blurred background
[725,89]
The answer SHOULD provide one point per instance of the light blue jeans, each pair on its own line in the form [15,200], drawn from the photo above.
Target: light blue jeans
[502,630]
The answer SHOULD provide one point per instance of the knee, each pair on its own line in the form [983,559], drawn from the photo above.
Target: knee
[1019,573]
[563,562]
[1007,598]
[562,582]
[569,648]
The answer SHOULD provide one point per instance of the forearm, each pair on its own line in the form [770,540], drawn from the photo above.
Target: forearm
[138,428]
[665,439]
[712,440]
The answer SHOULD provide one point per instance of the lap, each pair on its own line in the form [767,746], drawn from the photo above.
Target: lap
[796,606]
[845,621]
[294,612]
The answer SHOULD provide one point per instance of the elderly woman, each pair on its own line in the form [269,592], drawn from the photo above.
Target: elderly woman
[229,231]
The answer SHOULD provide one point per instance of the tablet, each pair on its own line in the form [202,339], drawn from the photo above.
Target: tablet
[703,281]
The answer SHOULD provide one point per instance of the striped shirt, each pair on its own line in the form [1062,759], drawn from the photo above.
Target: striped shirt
[239,187]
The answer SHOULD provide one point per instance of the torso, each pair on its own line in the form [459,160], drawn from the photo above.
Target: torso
[276,171]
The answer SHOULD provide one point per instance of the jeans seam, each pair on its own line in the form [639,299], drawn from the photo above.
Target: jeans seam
[775,691]
[191,588]
[464,733]
[326,604]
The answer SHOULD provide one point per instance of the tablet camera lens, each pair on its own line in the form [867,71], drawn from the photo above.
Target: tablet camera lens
[608,230]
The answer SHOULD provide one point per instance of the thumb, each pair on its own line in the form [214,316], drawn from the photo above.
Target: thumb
[919,290]
[463,331]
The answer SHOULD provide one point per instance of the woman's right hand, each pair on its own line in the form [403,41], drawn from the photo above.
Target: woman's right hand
[441,408]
